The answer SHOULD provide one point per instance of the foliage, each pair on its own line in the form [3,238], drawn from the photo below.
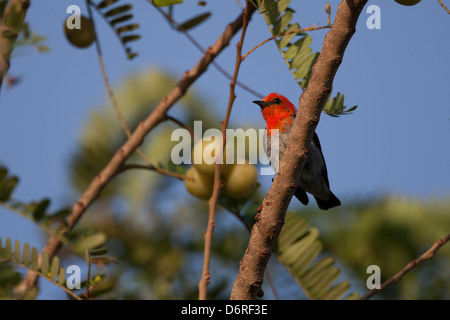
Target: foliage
[297,247]
[153,248]
[118,18]
[80,241]
[148,222]
[297,54]
[391,232]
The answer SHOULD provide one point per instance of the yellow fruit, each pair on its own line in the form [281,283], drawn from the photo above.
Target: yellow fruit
[225,170]
[83,37]
[203,155]
[240,181]
[198,184]
[408,2]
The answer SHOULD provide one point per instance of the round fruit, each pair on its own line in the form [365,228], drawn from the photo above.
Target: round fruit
[197,184]
[83,37]
[408,2]
[241,181]
[203,155]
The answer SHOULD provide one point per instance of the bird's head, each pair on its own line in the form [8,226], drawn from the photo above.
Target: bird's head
[277,110]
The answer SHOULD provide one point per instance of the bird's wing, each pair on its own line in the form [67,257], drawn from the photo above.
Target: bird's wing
[324,171]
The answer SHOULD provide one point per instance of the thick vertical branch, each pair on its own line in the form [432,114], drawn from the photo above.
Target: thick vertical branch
[10,27]
[266,229]
[135,140]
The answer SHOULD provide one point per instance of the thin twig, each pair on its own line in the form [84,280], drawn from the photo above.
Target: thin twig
[312,28]
[114,101]
[203,283]
[200,47]
[443,6]
[151,167]
[181,124]
[11,23]
[272,286]
[88,282]
[136,139]
[61,286]
[427,255]
[328,11]
[107,21]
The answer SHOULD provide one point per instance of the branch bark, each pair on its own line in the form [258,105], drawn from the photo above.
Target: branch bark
[427,255]
[204,281]
[135,140]
[265,231]
[10,27]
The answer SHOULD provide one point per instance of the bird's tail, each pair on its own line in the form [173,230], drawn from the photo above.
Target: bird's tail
[333,201]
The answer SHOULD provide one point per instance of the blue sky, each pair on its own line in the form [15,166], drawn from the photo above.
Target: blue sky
[396,142]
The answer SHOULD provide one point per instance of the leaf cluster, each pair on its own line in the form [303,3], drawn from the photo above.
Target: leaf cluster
[298,247]
[80,241]
[294,47]
[119,19]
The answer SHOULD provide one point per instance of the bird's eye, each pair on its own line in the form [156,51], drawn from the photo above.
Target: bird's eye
[277,100]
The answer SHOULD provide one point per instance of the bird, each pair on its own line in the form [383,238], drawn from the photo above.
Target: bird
[279,113]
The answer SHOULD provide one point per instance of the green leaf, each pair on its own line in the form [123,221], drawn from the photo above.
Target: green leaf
[54,268]
[277,9]
[118,10]
[132,55]
[59,215]
[120,19]
[314,272]
[336,291]
[352,296]
[98,252]
[26,254]
[34,259]
[3,173]
[300,58]
[106,3]
[306,66]
[335,107]
[7,187]
[324,283]
[44,263]
[61,275]
[8,246]
[165,3]
[306,257]
[282,23]
[127,28]
[129,38]
[283,42]
[193,22]
[298,251]
[294,232]
[89,242]
[291,254]
[17,250]
[39,212]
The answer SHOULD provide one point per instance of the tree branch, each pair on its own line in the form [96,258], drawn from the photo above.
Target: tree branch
[10,27]
[265,231]
[199,47]
[427,255]
[115,164]
[443,6]
[203,283]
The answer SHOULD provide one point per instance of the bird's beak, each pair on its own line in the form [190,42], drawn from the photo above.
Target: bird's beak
[261,103]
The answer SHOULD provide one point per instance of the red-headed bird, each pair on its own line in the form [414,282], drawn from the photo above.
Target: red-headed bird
[279,113]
